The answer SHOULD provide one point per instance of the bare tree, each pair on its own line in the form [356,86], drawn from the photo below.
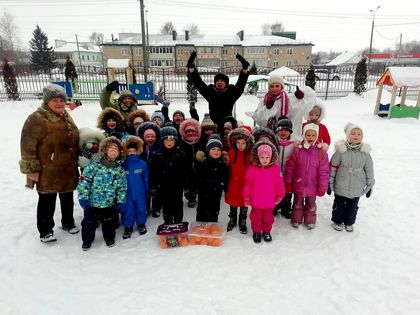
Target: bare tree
[192,29]
[97,38]
[167,28]
[8,33]
[270,28]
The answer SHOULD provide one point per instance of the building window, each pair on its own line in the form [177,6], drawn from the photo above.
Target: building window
[124,51]
[288,63]
[277,51]
[137,51]
[224,51]
[275,64]
[290,51]
[179,50]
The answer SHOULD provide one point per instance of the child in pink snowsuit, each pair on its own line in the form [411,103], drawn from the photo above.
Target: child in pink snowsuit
[264,187]
[307,175]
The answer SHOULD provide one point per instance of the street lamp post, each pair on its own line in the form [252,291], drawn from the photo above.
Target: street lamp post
[371,31]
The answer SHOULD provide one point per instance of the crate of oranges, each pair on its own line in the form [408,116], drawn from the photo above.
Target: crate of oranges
[173,235]
[205,233]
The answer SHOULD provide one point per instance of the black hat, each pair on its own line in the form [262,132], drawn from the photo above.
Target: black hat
[284,123]
[178,112]
[132,145]
[213,143]
[168,132]
[221,76]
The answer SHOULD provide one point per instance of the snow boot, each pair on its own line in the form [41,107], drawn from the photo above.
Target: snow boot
[256,236]
[310,226]
[110,243]
[156,214]
[127,233]
[48,238]
[86,246]
[338,227]
[349,228]
[71,230]
[233,217]
[142,229]
[267,237]
[242,220]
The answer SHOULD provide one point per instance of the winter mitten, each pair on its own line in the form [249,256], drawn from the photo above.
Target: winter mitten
[84,203]
[369,193]
[320,193]
[113,86]
[242,60]
[299,94]
[166,103]
[190,63]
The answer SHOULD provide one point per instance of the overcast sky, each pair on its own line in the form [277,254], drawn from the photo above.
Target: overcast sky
[330,25]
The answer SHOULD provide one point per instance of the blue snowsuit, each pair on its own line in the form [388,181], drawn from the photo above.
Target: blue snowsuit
[135,207]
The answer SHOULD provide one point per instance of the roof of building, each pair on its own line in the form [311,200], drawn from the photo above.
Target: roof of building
[348,57]
[72,47]
[207,40]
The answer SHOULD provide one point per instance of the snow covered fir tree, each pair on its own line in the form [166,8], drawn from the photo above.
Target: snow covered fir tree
[310,78]
[10,83]
[360,78]
[42,56]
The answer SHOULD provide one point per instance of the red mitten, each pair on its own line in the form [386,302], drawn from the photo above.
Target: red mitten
[320,193]
[289,188]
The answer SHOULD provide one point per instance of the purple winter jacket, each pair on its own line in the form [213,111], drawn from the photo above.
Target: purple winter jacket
[308,171]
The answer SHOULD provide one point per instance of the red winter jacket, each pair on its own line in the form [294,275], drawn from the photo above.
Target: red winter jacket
[237,171]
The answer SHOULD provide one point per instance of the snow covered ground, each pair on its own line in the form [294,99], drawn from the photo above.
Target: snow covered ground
[374,270]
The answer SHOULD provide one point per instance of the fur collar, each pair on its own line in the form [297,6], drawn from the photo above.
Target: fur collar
[342,146]
[54,117]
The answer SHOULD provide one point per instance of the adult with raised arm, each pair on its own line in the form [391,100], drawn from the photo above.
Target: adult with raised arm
[221,95]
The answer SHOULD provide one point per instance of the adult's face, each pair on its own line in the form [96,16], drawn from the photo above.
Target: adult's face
[57,105]
[220,85]
[127,101]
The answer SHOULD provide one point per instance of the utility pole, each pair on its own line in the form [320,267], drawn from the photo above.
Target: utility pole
[143,41]
[78,51]
[371,31]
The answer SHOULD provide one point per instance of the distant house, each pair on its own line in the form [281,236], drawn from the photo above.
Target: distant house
[349,58]
[87,56]
[390,59]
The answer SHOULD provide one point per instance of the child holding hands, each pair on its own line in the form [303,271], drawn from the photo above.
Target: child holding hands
[351,176]
[264,188]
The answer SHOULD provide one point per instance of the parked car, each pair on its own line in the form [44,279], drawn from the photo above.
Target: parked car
[324,74]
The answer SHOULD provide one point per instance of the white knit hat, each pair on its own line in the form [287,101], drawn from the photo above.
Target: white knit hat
[349,127]
[275,78]
[313,127]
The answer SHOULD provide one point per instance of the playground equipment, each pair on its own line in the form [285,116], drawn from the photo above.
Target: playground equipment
[398,77]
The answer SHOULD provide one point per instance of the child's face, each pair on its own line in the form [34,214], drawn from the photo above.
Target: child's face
[355,136]
[111,123]
[190,133]
[112,152]
[227,131]
[178,119]
[127,101]
[314,114]
[275,88]
[150,139]
[283,134]
[215,153]
[158,121]
[241,144]
[264,138]
[131,151]
[169,143]
[310,136]
[208,132]
[264,159]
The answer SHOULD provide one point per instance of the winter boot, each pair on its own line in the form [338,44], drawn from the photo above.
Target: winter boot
[127,233]
[242,220]
[142,229]
[349,228]
[233,214]
[286,214]
[48,238]
[276,210]
[86,246]
[110,243]
[156,213]
[338,227]
[71,230]
[256,237]
[267,237]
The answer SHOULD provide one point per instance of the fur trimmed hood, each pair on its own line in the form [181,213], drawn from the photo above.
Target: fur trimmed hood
[108,113]
[125,93]
[263,131]
[137,113]
[230,119]
[86,134]
[241,133]
[106,142]
[137,141]
[319,104]
[148,125]
[342,146]
[254,153]
[188,123]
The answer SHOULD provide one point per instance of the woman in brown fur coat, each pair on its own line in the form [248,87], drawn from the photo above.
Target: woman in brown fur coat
[49,152]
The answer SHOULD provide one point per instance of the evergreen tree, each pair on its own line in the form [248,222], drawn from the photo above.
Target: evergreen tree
[42,56]
[191,92]
[360,78]
[310,78]
[70,70]
[253,86]
[10,83]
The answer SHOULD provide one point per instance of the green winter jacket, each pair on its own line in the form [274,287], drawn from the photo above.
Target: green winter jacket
[351,170]
[106,100]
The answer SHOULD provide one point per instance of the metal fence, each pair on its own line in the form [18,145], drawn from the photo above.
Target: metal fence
[332,82]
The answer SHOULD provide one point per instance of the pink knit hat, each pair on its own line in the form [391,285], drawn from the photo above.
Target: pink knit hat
[149,131]
[264,149]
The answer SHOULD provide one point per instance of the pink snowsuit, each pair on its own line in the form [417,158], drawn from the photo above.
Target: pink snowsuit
[308,172]
[263,188]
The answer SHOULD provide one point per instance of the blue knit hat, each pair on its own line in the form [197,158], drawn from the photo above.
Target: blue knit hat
[213,143]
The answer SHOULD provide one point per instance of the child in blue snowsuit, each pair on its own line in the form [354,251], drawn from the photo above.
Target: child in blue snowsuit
[102,190]
[135,208]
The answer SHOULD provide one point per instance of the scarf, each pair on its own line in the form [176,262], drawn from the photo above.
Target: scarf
[269,100]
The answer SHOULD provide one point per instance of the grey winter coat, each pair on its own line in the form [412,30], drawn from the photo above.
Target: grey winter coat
[351,170]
